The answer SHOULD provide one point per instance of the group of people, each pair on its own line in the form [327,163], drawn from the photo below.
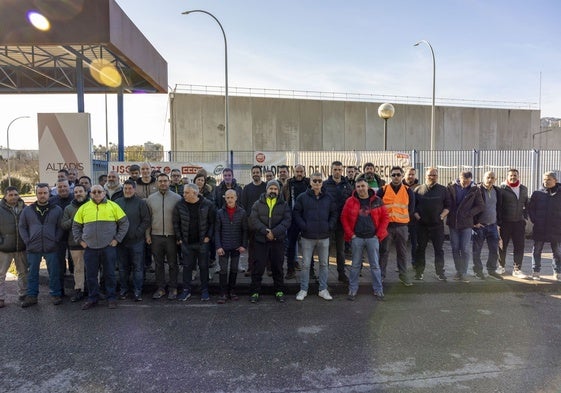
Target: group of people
[163,219]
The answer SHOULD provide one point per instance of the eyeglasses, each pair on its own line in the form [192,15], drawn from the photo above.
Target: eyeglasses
[96,192]
[316,180]
[396,174]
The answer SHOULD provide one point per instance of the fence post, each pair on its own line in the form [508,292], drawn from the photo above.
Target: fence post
[475,165]
[535,170]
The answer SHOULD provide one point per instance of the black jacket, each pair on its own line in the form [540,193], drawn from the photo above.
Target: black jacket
[10,238]
[316,216]
[230,234]
[429,203]
[462,215]
[514,209]
[338,191]
[278,223]
[221,189]
[138,214]
[207,218]
[545,212]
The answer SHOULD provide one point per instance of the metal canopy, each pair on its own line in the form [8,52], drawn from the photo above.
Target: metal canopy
[62,59]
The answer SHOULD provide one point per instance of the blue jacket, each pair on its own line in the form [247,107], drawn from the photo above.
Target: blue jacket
[316,216]
[41,238]
[545,213]
[230,234]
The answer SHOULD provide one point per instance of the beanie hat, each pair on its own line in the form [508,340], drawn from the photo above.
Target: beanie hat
[273,183]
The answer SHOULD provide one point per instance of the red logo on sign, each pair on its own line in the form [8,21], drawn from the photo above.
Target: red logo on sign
[260,158]
[190,170]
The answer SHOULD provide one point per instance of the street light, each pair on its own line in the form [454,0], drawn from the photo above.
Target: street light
[8,145]
[432,136]
[386,111]
[225,81]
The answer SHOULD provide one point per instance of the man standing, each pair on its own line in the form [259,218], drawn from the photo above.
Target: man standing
[412,182]
[269,220]
[282,175]
[432,204]
[250,194]
[193,223]
[62,199]
[130,251]
[113,187]
[339,189]
[162,236]
[76,249]
[351,172]
[176,182]
[365,221]
[86,182]
[465,203]
[12,246]
[545,212]
[134,172]
[316,214]
[294,186]
[228,182]
[486,228]
[400,203]
[513,221]
[146,184]
[372,178]
[39,227]
[99,226]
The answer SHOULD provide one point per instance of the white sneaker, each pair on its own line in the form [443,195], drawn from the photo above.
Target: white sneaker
[325,295]
[518,273]
[501,270]
[536,276]
[301,295]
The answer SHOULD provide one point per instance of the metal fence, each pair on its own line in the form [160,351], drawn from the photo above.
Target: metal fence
[530,163]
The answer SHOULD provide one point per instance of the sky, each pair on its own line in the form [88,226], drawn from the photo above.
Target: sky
[485,50]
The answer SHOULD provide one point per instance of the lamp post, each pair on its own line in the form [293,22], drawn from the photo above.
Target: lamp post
[226,103]
[8,145]
[432,136]
[386,111]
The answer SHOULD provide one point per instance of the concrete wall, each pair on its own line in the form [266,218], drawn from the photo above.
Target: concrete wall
[270,124]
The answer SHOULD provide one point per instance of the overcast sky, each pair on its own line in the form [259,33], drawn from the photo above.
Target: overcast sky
[485,51]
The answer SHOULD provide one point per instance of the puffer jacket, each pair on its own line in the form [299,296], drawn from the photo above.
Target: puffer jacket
[378,212]
[514,209]
[545,213]
[230,234]
[207,217]
[41,237]
[10,238]
[462,215]
[278,221]
[315,215]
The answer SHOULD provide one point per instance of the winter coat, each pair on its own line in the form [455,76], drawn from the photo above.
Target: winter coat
[230,234]
[430,202]
[10,238]
[207,218]
[139,217]
[221,189]
[68,220]
[315,215]
[462,215]
[278,222]
[161,211]
[378,213]
[545,213]
[514,209]
[144,190]
[41,238]
[338,191]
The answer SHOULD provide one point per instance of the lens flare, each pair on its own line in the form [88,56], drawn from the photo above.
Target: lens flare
[105,73]
[38,21]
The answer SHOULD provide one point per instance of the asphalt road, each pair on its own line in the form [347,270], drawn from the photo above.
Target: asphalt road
[413,342]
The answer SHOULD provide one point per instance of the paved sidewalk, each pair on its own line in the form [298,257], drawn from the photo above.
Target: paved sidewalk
[430,284]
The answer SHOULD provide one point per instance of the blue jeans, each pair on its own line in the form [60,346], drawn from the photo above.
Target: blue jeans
[372,246]
[460,240]
[131,258]
[491,234]
[53,267]
[193,254]
[322,246]
[537,255]
[93,258]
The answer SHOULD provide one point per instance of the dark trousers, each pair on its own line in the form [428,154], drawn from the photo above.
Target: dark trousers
[93,259]
[413,240]
[338,239]
[514,231]
[193,255]
[273,252]
[228,277]
[165,247]
[292,241]
[397,235]
[436,235]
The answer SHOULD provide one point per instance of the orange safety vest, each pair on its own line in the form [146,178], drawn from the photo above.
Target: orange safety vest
[397,204]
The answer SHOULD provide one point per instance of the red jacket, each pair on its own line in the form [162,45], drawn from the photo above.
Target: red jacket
[378,212]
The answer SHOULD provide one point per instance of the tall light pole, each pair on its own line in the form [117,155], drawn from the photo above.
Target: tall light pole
[386,111]
[8,145]
[225,82]
[432,136]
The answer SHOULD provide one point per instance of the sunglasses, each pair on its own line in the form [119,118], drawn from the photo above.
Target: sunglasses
[96,192]
[396,174]
[316,180]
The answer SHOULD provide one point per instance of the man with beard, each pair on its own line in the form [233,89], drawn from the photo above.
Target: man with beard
[76,250]
[269,219]
[351,172]
[294,186]
[282,175]
[62,199]
[374,181]
[146,184]
[113,188]
[412,182]
[228,183]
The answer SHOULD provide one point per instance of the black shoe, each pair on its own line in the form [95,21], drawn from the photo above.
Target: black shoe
[57,300]
[343,278]
[351,297]
[123,296]
[441,277]
[290,275]
[87,305]
[297,266]
[78,295]
[254,298]
[29,301]
[495,276]
[480,275]
[280,297]
[419,276]
[379,296]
